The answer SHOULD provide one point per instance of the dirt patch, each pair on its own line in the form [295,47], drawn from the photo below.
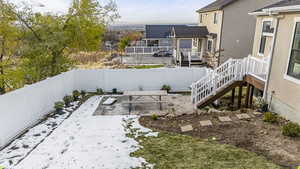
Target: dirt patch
[252,134]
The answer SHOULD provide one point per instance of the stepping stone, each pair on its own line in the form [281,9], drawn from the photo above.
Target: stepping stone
[243,116]
[257,113]
[206,123]
[225,119]
[186,128]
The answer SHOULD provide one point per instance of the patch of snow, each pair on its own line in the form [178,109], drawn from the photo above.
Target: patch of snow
[22,146]
[109,101]
[87,141]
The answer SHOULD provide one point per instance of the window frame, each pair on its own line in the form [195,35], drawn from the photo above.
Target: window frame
[212,45]
[260,43]
[264,34]
[201,18]
[286,75]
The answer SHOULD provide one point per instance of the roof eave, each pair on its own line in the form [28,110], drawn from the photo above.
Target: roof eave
[276,10]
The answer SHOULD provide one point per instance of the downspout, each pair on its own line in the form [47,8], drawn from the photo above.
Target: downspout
[221,34]
[277,18]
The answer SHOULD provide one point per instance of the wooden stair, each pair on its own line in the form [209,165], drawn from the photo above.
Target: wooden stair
[222,91]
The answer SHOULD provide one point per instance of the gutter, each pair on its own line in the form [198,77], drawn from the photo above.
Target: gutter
[271,56]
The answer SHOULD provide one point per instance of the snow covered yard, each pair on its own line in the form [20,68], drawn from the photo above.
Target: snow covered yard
[87,141]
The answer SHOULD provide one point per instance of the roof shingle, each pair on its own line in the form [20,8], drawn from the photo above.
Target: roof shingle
[159,31]
[191,32]
[281,4]
[216,5]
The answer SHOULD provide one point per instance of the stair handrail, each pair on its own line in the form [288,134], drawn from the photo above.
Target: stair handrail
[226,73]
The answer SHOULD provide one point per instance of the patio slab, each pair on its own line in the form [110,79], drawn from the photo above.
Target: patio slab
[206,123]
[225,119]
[186,128]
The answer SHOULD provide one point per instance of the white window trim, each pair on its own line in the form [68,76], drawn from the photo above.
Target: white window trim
[286,76]
[261,54]
[215,18]
[264,34]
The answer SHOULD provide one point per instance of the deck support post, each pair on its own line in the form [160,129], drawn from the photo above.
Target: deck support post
[251,96]
[240,96]
[233,96]
[247,95]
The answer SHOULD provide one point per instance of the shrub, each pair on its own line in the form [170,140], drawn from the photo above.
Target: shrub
[263,105]
[114,90]
[166,88]
[270,117]
[76,95]
[68,100]
[154,117]
[59,106]
[99,91]
[83,93]
[291,129]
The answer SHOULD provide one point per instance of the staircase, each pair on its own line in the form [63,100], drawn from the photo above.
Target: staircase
[218,82]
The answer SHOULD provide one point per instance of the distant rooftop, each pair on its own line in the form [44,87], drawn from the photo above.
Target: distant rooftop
[191,32]
[216,5]
[160,31]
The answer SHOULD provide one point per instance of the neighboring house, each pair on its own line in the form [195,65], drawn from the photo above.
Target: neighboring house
[157,37]
[277,40]
[231,29]
[188,44]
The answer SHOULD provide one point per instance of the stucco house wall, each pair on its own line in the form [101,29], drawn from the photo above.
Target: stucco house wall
[239,28]
[208,21]
[284,93]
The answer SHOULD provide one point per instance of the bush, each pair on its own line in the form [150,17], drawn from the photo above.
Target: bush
[263,105]
[59,106]
[68,100]
[99,91]
[83,93]
[76,95]
[114,90]
[154,117]
[270,117]
[291,130]
[166,88]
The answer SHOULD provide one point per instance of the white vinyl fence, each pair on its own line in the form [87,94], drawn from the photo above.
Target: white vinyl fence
[23,108]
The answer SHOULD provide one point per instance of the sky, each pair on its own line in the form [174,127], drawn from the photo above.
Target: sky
[137,11]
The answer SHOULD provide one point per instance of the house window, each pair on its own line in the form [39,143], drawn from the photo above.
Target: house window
[201,18]
[262,45]
[215,18]
[209,45]
[267,27]
[294,63]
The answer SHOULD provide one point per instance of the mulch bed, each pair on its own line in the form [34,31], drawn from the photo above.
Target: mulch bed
[252,134]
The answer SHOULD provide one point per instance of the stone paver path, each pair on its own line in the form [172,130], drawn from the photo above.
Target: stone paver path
[186,128]
[225,119]
[243,116]
[206,123]
[257,113]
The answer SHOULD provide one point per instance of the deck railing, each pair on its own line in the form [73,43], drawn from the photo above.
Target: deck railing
[257,67]
[226,74]
[144,50]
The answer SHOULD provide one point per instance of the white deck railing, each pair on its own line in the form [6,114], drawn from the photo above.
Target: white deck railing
[257,67]
[146,50]
[229,72]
